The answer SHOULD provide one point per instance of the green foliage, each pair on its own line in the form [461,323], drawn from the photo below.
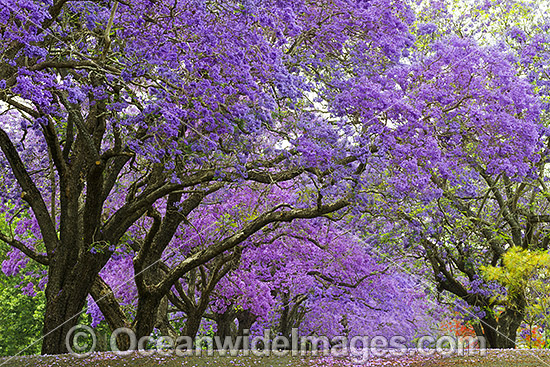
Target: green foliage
[526,273]
[20,317]
[520,269]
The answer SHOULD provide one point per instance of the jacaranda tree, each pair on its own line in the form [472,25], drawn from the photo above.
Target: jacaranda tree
[488,206]
[111,107]
[315,275]
[126,114]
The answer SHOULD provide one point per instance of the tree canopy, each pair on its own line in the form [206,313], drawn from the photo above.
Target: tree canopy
[183,139]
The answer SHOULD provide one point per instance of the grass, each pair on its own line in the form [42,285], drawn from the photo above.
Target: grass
[494,358]
[111,360]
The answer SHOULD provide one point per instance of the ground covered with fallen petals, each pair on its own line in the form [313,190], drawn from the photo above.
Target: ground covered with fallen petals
[492,358]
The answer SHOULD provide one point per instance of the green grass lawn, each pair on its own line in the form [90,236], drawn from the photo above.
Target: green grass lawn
[110,360]
[494,358]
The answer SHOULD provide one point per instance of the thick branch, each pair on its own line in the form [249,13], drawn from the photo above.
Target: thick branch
[30,192]
[344,284]
[108,304]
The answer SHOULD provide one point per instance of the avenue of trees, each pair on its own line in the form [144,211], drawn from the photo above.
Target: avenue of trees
[168,166]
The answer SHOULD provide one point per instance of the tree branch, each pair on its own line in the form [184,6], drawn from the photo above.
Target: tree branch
[30,193]
[252,227]
[42,259]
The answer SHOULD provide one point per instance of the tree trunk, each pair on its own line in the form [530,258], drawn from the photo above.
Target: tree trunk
[225,322]
[502,332]
[488,331]
[192,325]
[508,324]
[59,318]
[284,322]
[146,315]
[66,294]
[246,320]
